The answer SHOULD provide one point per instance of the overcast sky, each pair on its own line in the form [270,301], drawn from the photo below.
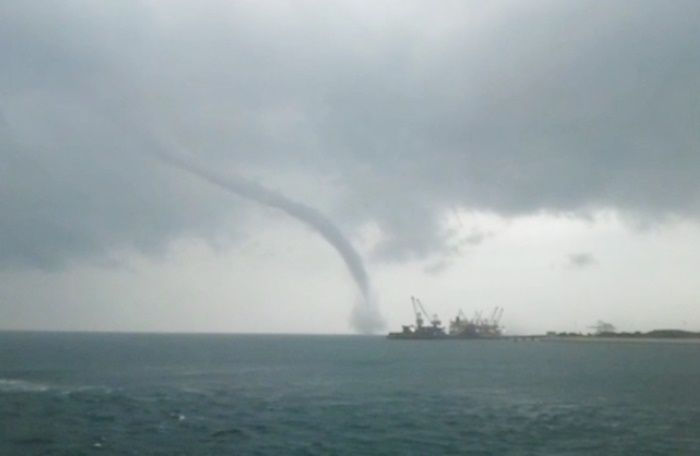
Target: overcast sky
[541,156]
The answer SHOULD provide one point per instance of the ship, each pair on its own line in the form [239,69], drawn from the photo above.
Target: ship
[477,327]
[420,330]
[460,327]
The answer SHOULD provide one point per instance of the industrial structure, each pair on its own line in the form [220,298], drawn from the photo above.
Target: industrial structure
[477,327]
[489,327]
[420,330]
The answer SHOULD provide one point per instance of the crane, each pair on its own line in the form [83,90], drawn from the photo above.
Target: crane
[417,308]
[496,316]
[420,311]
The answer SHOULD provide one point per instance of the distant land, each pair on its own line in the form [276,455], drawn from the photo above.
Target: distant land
[677,334]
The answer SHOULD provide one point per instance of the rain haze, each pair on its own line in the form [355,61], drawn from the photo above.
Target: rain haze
[306,167]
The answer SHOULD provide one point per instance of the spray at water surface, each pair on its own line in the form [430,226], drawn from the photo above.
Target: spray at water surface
[365,317]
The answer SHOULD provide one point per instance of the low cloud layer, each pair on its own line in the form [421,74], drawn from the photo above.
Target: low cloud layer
[405,110]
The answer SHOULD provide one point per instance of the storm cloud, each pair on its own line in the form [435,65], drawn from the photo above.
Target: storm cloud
[407,110]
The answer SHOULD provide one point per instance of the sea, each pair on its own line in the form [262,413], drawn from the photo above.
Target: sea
[179,394]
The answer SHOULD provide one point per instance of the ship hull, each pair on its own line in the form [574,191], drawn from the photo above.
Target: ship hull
[403,336]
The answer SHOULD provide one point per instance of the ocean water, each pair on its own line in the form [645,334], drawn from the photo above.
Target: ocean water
[73,394]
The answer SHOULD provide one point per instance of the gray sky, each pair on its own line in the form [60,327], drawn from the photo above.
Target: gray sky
[540,156]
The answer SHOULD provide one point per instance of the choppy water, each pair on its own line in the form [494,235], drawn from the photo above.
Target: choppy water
[204,394]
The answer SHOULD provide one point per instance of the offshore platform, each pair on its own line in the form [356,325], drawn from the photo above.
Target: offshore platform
[461,327]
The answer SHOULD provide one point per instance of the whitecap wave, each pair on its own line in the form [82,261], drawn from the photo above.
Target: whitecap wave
[21,386]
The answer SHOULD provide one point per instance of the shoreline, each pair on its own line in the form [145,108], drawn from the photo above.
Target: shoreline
[641,339]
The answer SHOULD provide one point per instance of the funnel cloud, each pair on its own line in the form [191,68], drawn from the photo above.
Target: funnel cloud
[365,317]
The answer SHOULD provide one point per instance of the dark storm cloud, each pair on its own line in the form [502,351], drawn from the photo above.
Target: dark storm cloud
[409,108]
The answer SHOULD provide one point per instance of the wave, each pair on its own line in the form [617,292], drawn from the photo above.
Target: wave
[21,386]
